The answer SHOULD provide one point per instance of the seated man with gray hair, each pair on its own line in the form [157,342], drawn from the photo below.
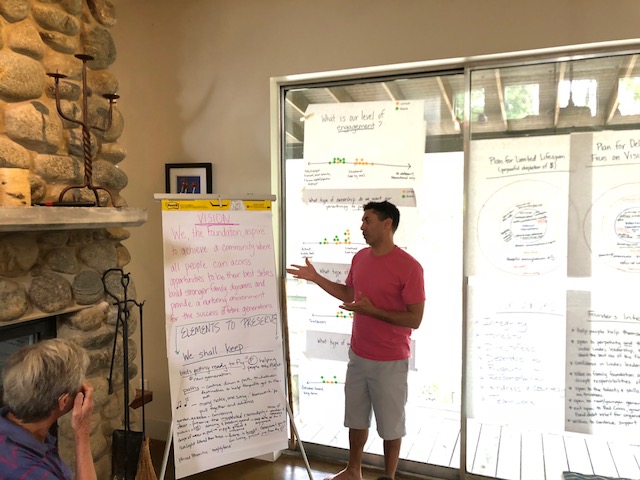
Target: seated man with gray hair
[42,382]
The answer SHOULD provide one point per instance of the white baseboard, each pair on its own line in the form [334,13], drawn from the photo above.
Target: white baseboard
[270,457]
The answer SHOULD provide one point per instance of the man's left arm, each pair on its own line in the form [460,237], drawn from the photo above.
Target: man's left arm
[411,318]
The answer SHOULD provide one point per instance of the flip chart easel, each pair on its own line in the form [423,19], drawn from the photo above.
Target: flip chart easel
[223,331]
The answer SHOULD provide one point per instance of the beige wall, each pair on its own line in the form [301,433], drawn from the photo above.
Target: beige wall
[194,81]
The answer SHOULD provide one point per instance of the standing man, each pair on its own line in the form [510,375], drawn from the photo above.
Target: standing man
[385,290]
[43,382]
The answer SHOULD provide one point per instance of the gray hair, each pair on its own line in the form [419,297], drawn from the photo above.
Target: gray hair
[36,376]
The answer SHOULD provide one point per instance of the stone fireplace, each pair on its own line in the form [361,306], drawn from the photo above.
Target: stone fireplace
[52,259]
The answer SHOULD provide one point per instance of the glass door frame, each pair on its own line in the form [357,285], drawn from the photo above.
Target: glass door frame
[278,88]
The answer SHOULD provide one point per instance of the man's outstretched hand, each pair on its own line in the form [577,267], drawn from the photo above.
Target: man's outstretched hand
[305,272]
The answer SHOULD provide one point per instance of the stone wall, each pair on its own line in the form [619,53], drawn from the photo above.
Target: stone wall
[43,273]
[40,37]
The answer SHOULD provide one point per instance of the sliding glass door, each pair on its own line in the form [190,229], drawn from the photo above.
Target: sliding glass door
[518,184]
[346,144]
[552,324]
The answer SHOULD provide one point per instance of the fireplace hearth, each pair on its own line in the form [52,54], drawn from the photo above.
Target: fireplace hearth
[51,265]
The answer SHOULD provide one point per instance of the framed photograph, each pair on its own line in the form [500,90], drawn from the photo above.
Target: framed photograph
[188,177]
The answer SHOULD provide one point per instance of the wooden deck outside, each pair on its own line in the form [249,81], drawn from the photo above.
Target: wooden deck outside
[494,451]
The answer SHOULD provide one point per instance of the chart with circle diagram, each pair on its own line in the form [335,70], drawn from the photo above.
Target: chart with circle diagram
[612,228]
[522,228]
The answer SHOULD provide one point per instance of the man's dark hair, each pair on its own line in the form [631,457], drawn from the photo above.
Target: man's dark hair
[385,210]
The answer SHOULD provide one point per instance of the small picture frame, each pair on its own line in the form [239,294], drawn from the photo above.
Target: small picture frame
[189,177]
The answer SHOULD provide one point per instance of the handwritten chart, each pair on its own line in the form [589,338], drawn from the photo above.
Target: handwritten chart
[323,224]
[612,223]
[346,198]
[603,379]
[516,342]
[321,389]
[521,230]
[223,333]
[366,144]
[559,342]
[328,345]
[520,206]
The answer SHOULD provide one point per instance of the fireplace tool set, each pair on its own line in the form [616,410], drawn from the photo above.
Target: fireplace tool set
[127,444]
[86,132]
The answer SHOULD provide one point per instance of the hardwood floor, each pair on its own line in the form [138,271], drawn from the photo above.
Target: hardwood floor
[492,451]
[496,451]
[289,466]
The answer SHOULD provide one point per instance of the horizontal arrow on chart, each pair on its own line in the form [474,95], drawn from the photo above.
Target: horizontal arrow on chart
[363,164]
[333,243]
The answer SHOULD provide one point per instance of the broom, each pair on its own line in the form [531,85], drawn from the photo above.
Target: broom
[145,465]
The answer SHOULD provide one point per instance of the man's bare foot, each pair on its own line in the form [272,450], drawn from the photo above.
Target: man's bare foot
[346,475]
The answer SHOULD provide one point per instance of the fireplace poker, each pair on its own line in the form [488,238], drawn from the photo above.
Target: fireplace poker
[127,444]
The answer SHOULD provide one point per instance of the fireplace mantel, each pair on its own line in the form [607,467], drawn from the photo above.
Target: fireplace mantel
[30,219]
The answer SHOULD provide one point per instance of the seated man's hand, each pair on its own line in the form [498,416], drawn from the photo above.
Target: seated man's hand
[82,409]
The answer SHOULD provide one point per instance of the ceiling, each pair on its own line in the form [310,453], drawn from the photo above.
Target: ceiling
[443,91]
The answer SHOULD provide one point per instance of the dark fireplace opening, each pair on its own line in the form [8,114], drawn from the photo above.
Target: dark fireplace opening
[13,337]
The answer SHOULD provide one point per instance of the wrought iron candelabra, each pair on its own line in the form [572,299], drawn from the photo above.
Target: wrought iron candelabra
[86,129]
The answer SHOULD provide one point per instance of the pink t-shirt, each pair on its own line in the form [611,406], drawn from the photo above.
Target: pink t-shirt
[391,282]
